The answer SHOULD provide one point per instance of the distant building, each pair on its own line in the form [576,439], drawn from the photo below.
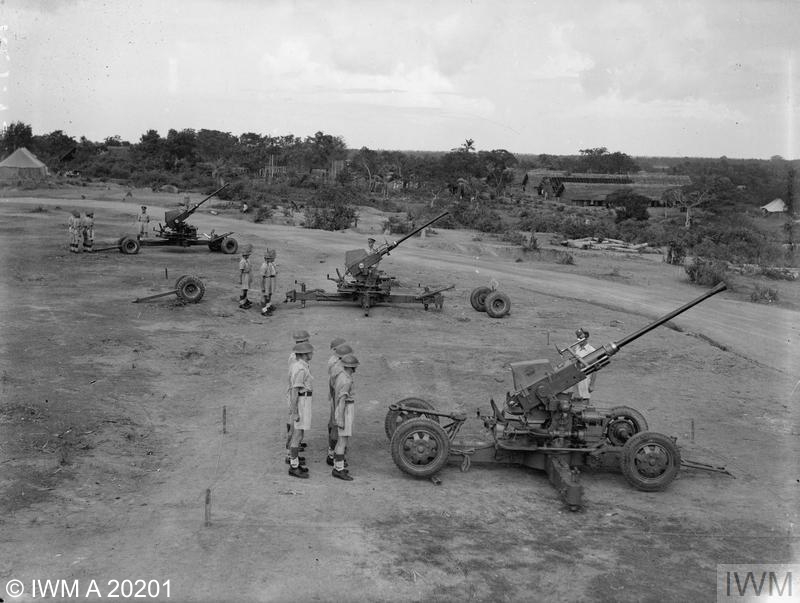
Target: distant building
[592,189]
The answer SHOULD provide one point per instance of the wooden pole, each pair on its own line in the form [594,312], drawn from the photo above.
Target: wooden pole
[208,507]
[224,419]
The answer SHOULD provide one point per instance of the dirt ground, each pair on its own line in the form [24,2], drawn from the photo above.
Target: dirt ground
[111,427]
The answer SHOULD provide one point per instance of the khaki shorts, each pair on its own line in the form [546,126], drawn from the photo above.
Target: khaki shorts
[349,418]
[304,410]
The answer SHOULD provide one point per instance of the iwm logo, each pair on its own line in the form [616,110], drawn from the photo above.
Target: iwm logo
[779,582]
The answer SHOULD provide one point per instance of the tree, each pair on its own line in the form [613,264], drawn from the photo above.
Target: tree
[55,148]
[628,205]
[497,165]
[686,199]
[180,146]
[323,148]
[15,136]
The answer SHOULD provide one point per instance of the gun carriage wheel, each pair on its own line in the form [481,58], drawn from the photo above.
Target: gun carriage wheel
[129,245]
[229,245]
[478,298]
[420,447]
[215,245]
[394,418]
[190,289]
[623,424]
[497,304]
[650,461]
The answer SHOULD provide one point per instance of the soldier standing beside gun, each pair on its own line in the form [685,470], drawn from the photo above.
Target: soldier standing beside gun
[300,336]
[87,230]
[300,397]
[268,275]
[334,368]
[244,276]
[143,220]
[74,227]
[345,415]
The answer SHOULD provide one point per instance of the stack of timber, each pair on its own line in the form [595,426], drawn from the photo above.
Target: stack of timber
[609,245]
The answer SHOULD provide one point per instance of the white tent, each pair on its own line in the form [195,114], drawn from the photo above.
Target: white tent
[774,206]
[22,165]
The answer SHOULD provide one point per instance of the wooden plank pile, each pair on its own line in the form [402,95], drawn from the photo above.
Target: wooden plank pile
[609,245]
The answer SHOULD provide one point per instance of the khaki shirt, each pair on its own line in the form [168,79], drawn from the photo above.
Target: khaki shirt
[300,376]
[344,387]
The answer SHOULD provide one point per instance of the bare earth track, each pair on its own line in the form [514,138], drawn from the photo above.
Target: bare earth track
[111,424]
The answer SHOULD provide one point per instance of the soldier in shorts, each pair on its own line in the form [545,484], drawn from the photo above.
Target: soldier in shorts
[244,276]
[74,226]
[299,337]
[143,220]
[87,231]
[268,275]
[334,368]
[300,395]
[345,415]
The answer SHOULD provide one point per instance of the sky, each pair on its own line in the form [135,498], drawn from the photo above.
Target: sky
[699,78]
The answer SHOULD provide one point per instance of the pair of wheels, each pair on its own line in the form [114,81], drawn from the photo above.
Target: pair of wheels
[226,245]
[129,245]
[649,460]
[495,303]
[420,446]
[189,289]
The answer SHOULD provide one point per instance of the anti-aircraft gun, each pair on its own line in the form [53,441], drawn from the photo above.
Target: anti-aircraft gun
[544,425]
[364,283]
[176,231]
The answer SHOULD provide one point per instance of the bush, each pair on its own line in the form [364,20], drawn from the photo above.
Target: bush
[705,272]
[331,208]
[564,257]
[763,294]
[262,214]
[397,225]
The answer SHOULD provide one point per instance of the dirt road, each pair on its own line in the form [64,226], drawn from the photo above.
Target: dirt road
[111,426]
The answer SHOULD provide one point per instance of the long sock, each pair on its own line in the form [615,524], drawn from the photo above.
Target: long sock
[293,460]
[338,462]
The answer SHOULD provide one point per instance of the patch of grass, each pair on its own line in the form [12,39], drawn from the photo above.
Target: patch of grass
[764,295]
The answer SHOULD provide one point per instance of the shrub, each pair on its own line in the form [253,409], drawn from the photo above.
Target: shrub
[331,208]
[763,294]
[262,214]
[397,225]
[705,272]
[564,257]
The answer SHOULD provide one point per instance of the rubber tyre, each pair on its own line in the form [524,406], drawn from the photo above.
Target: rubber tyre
[395,417]
[650,461]
[229,245]
[478,298]
[180,280]
[129,245]
[191,290]
[420,447]
[623,424]
[497,304]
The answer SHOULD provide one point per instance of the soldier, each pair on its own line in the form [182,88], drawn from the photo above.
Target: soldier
[299,337]
[345,415]
[300,397]
[87,231]
[143,220]
[583,389]
[268,275]
[244,276]
[74,227]
[371,245]
[334,368]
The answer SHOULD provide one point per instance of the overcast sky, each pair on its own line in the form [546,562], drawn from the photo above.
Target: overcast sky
[649,77]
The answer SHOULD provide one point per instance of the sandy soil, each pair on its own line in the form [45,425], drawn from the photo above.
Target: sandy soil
[111,422]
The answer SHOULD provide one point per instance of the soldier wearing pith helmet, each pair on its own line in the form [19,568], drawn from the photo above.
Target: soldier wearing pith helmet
[334,368]
[300,398]
[344,414]
[299,336]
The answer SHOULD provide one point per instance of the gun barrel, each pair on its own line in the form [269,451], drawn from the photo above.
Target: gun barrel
[196,205]
[416,230]
[646,329]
